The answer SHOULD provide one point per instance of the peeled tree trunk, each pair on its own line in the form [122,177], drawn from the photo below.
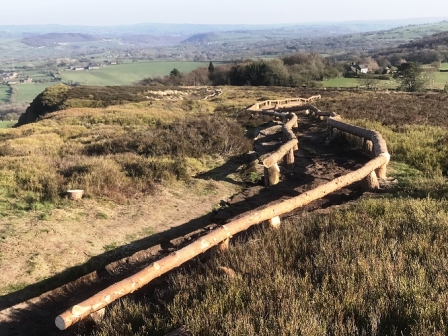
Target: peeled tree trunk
[166,264]
[373,137]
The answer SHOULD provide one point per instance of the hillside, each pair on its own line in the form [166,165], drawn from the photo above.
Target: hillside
[55,39]
[63,97]
[161,164]
[427,49]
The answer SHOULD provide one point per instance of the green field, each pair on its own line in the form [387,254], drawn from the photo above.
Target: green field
[27,92]
[354,82]
[444,66]
[126,74]
[440,79]
[4,95]
[7,124]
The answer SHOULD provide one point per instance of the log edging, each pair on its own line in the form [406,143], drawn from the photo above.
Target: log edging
[175,259]
[221,235]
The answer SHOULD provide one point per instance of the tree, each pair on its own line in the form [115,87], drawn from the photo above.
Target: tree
[410,77]
[174,73]
[211,68]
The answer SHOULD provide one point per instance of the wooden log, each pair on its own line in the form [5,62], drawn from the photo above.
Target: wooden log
[289,158]
[175,259]
[371,182]
[279,153]
[274,222]
[271,175]
[379,144]
[156,269]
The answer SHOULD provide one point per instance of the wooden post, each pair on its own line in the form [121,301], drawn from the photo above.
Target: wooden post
[271,175]
[274,222]
[381,172]
[224,245]
[289,158]
[367,145]
[371,182]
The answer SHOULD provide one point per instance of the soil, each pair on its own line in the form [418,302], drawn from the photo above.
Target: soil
[31,311]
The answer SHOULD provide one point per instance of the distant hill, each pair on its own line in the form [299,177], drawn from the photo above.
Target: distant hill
[426,50]
[201,38]
[430,42]
[151,40]
[52,39]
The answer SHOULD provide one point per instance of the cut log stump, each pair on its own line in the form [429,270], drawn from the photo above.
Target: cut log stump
[75,194]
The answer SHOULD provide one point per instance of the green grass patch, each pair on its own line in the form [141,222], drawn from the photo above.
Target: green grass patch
[27,92]
[126,74]
[7,124]
[356,82]
[444,66]
[4,93]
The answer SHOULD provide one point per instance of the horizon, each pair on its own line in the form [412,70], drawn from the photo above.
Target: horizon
[233,12]
[430,18]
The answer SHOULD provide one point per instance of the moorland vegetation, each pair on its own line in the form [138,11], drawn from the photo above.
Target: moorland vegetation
[375,267]
[369,268]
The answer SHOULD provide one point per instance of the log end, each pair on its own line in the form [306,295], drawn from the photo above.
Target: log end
[275,222]
[60,323]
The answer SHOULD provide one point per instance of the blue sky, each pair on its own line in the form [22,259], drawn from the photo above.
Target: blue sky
[112,12]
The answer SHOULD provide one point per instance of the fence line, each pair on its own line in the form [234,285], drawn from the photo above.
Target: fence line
[271,213]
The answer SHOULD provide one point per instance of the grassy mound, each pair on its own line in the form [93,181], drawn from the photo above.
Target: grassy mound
[62,97]
[113,152]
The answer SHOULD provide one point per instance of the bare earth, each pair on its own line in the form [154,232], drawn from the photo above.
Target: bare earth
[152,226]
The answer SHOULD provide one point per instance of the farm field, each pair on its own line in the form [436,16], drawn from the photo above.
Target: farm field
[440,80]
[7,124]
[127,74]
[4,93]
[27,92]
[355,82]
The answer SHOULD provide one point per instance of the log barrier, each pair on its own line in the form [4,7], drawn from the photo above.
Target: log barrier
[221,235]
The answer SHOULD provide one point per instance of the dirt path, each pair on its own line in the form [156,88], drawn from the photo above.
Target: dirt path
[317,162]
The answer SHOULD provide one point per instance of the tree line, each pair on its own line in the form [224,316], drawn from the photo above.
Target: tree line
[301,69]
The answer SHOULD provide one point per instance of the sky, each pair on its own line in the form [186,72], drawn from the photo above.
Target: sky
[117,12]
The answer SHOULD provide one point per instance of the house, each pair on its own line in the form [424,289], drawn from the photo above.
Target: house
[27,80]
[359,68]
